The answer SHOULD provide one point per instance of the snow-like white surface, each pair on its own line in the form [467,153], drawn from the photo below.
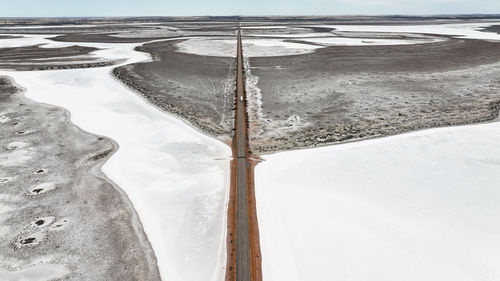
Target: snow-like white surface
[322,35]
[339,41]
[39,272]
[4,119]
[208,47]
[49,26]
[251,47]
[268,47]
[277,43]
[4,209]
[464,30]
[176,177]
[108,51]
[277,47]
[17,153]
[79,25]
[418,206]
[23,40]
[294,35]
[274,47]
[265,27]
[30,40]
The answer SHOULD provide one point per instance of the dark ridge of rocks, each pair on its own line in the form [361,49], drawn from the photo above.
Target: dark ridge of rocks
[56,67]
[493,28]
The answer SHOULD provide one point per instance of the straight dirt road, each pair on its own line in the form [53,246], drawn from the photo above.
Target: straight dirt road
[243,248]
[241,147]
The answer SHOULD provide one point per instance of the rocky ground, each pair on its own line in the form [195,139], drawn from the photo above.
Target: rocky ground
[60,217]
[339,94]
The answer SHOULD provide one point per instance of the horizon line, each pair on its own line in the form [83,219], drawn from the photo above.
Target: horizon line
[253,16]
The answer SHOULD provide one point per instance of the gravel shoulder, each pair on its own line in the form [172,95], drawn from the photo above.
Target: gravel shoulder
[60,215]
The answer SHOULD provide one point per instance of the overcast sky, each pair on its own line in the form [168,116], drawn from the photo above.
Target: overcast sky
[42,8]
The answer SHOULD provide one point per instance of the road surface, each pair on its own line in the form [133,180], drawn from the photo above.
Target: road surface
[243,259]
[241,147]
